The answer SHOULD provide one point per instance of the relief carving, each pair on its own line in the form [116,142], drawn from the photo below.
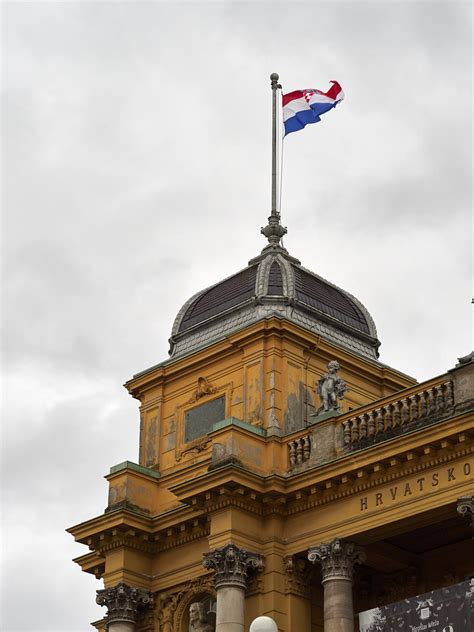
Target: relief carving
[297,576]
[198,618]
[204,387]
[166,610]
[199,447]
[177,606]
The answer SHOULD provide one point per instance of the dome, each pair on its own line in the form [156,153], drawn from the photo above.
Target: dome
[274,284]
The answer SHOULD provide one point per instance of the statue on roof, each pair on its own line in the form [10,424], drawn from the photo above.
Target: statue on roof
[331,388]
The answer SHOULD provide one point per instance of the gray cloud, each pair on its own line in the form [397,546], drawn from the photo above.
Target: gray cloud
[136,170]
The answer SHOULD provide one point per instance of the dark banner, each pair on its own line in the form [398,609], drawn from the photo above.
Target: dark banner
[448,609]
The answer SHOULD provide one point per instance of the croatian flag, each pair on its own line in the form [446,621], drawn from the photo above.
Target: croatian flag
[306,106]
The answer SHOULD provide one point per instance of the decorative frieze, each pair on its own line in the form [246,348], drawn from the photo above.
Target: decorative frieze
[232,565]
[337,559]
[123,603]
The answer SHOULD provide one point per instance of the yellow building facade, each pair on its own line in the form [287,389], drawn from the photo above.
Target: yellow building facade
[250,500]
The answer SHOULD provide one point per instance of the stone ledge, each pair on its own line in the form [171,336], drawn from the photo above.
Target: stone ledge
[329,414]
[129,465]
[233,421]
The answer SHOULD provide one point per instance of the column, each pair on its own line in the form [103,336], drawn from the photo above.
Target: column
[232,566]
[337,560]
[124,605]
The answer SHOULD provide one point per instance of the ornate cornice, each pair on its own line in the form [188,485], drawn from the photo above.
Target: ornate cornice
[337,559]
[466,508]
[232,565]
[180,537]
[123,603]
[319,494]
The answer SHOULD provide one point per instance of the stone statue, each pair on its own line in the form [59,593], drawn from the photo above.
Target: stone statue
[331,387]
[198,620]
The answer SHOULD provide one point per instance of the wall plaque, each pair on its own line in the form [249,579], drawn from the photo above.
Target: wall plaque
[198,421]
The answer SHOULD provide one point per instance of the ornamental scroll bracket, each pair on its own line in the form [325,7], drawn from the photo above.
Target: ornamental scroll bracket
[465,507]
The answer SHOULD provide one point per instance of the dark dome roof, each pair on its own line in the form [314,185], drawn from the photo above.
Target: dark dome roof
[221,297]
[318,293]
[274,284]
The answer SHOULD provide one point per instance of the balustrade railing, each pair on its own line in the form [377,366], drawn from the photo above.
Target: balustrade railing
[383,421]
[394,416]
[299,450]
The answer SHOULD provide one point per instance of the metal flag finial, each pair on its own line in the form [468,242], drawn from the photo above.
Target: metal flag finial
[274,79]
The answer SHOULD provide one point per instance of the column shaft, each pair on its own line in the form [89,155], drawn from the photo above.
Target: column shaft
[338,610]
[337,561]
[121,626]
[230,609]
[231,565]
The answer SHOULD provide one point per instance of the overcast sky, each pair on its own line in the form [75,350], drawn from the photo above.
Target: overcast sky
[136,170]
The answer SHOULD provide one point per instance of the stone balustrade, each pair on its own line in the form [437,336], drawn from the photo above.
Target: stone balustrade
[299,450]
[391,418]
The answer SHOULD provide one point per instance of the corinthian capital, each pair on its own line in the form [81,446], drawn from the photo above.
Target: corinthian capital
[337,559]
[123,602]
[232,565]
[466,507]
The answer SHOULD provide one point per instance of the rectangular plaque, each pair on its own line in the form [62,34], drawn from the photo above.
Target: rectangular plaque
[199,420]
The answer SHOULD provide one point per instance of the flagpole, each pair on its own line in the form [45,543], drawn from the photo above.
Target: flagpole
[275,145]
[274,231]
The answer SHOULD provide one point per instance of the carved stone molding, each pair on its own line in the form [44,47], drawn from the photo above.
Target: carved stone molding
[466,508]
[254,584]
[232,565]
[337,559]
[297,576]
[196,447]
[123,602]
